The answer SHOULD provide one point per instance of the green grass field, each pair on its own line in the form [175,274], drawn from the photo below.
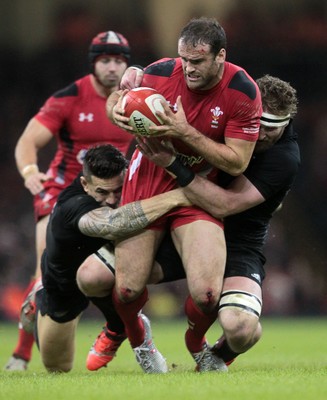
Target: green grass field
[290,362]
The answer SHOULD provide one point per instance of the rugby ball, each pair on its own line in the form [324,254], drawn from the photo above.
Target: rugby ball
[140,105]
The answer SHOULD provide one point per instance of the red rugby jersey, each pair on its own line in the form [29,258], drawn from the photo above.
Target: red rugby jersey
[230,109]
[77,118]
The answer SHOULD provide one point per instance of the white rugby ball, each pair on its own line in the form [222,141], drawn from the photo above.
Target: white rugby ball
[140,105]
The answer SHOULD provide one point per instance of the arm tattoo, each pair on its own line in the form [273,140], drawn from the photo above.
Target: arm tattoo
[114,224]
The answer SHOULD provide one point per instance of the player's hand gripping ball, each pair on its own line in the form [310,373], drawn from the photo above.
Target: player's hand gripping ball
[140,105]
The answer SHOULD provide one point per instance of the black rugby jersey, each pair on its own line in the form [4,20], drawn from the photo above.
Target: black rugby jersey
[66,246]
[272,172]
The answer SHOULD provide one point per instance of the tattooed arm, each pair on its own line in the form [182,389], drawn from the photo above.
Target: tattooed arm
[115,224]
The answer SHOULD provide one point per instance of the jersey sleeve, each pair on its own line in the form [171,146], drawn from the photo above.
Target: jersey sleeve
[74,208]
[156,73]
[244,125]
[245,108]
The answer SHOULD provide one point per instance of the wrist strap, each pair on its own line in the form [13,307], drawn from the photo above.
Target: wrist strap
[139,67]
[29,169]
[184,175]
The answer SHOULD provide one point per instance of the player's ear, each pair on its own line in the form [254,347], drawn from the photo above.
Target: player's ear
[221,56]
[84,183]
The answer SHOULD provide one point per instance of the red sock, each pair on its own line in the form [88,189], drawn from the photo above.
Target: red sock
[199,323]
[24,346]
[25,340]
[128,312]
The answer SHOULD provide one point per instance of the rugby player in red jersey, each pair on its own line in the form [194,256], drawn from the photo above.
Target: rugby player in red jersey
[213,124]
[246,202]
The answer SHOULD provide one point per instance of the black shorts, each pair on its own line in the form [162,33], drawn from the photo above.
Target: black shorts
[241,261]
[61,307]
[170,261]
[60,297]
[245,261]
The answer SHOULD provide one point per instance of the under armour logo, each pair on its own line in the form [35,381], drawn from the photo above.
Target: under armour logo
[83,117]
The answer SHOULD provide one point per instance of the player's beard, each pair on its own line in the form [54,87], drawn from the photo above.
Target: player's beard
[109,83]
[262,146]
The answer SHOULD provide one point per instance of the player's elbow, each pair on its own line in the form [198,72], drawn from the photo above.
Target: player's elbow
[219,212]
[225,208]
[237,170]
[238,164]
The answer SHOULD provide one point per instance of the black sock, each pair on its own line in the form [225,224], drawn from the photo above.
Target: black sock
[105,305]
[223,351]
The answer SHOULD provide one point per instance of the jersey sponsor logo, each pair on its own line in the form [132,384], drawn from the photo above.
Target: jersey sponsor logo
[86,117]
[216,113]
[189,160]
[251,131]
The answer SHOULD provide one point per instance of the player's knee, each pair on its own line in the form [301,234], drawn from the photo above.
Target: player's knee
[94,282]
[62,368]
[239,330]
[127,294]
[85,280]
[206,300]
[239,314]
[57,364]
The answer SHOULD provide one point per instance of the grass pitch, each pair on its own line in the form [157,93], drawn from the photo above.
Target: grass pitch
[290,362]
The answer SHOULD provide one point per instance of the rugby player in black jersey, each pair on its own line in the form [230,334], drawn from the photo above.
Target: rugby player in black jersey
[85,217]
[247,205]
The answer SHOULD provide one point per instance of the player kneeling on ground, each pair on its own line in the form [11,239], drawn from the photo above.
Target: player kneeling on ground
[85,218]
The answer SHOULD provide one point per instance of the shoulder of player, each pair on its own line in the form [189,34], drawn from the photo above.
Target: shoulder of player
[238,79]
[72,206]
[73,89]
[64,99]
[163,67]
[282,156]
[72,191]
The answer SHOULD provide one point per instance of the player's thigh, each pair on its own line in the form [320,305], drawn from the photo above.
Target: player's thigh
[201,245]
[134,259]
[56,340]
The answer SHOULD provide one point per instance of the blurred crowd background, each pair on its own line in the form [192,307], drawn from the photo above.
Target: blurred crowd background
[43,47]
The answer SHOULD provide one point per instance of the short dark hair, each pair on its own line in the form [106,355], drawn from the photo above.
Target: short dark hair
[103,161]
[204,31]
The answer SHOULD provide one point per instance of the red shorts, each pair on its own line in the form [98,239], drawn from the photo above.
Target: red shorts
[144,180]
[44,201]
